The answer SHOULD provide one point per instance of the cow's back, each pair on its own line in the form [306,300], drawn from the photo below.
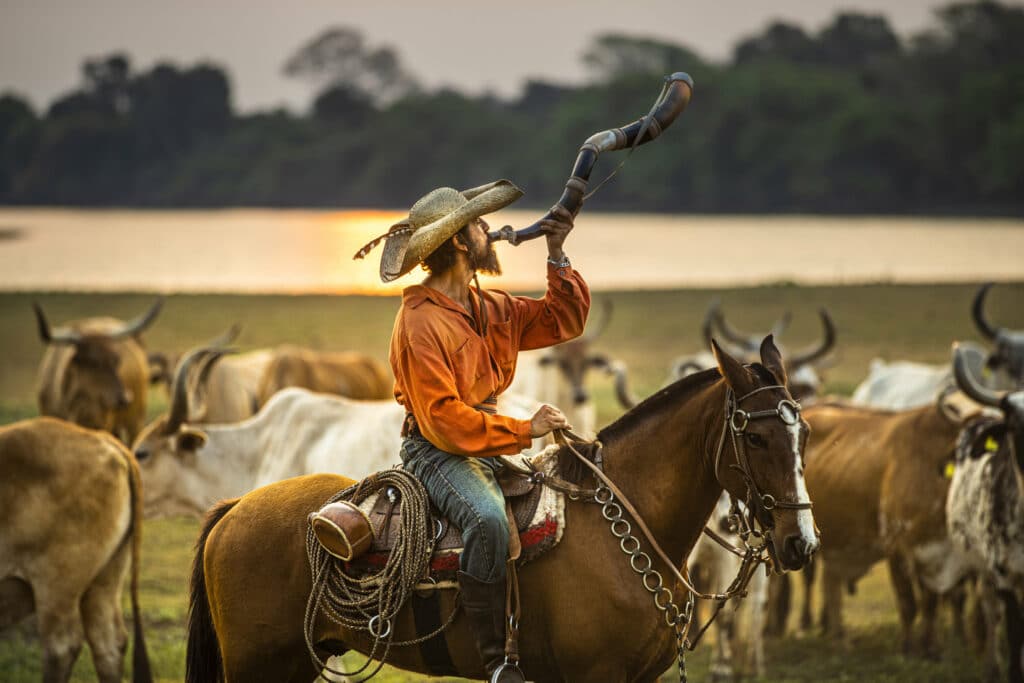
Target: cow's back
[844,472]
[232,390]
[66,499]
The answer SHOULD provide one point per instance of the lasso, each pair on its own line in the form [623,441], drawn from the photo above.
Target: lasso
[371,603]
[675,95]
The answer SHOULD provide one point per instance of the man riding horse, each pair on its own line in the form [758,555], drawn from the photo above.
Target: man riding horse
[453,351]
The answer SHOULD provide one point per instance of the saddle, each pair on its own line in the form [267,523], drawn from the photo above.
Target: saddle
[537,510]
[522,493]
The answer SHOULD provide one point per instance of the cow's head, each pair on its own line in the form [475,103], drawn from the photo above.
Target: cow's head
[166,449]
[801,367]
[1010,403]
[1007,357]
[576,357]
[91,388]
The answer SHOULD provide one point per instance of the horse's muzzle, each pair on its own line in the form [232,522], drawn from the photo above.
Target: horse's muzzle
[796,552]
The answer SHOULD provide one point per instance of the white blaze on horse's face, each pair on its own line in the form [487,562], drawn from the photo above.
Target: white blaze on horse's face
[804,518]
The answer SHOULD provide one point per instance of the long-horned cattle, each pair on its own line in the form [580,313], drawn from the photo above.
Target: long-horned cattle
[228,389]
[343,373]
[880,480]
[985,508]
[95,373]
[899,385]
[558,376]
[187,467]
[69,535]
[804,380]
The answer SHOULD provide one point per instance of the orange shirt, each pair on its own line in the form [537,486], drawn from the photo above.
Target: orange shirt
[443,367]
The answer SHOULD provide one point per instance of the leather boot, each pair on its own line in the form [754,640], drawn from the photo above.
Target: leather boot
[485,608]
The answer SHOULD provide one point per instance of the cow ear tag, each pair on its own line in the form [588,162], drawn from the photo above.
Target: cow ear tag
[991,445]
[950,469]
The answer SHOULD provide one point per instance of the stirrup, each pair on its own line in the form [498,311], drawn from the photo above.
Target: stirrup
[508,672]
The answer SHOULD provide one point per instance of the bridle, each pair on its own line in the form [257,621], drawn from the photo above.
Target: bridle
[758,505]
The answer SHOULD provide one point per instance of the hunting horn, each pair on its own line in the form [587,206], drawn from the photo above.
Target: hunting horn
[675,95]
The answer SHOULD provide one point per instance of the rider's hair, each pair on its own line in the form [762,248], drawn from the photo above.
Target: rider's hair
[443,258]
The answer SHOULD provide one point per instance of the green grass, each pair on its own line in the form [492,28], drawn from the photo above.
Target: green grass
[647,330]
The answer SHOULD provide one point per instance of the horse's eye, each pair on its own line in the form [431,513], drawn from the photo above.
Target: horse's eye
[756,440]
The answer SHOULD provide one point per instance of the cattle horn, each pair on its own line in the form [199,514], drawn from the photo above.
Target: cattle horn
[822,349]
[622,392]
[977,312]
[748,343]
[606,313]
[180,388]
[137,325]
[225,339]
[60,335]
[969,385]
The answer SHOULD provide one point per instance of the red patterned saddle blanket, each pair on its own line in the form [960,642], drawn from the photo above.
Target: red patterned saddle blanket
[539,513]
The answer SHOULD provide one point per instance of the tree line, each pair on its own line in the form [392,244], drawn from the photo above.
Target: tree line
[848,119]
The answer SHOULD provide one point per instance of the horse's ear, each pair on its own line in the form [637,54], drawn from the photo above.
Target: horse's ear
[771,358]
[736,376]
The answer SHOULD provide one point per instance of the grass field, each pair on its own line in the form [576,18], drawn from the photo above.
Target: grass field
[646,331]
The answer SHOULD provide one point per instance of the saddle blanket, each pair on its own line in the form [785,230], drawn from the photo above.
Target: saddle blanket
[539,512]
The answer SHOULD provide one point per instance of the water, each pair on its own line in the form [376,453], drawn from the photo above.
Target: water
[264,250]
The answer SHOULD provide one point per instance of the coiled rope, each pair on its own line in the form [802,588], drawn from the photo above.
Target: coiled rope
[370,603]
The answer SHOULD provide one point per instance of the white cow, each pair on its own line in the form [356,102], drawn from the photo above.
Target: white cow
[902,385]
[187,467]
[718,568]
[985,510]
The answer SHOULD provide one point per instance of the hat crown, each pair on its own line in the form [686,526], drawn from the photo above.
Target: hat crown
[435,205]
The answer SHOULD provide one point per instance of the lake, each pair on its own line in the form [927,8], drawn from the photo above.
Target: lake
[305,251]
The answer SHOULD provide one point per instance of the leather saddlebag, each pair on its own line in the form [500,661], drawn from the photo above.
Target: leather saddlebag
[342,529]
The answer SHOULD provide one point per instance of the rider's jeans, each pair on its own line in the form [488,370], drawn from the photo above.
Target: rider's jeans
[465,490]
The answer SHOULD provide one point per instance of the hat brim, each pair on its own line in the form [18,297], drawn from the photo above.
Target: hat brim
[403,251]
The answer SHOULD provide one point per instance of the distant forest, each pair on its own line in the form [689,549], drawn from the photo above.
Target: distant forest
[851,119]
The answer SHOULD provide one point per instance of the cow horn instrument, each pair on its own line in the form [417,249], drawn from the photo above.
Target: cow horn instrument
[675,95]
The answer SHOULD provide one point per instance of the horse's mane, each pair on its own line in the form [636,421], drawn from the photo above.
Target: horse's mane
[571,469]
[672,395]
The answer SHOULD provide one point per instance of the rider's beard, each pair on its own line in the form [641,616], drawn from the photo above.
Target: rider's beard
[486,260]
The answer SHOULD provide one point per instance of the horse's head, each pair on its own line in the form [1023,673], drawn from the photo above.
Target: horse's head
[760,458]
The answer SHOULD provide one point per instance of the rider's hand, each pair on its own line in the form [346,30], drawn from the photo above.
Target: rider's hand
[546,419]
[556,229]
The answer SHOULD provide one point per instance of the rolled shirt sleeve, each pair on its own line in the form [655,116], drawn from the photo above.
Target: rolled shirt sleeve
[560,315]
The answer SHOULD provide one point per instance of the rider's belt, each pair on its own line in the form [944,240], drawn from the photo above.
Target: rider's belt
[409,427]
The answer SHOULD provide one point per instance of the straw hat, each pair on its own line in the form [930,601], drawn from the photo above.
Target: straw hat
[432,220]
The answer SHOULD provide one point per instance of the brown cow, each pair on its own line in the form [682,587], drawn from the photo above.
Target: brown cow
[879,484]
[95,373]
[71,525]
[345,373]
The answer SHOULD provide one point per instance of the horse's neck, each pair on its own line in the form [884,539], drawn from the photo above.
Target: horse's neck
[665,466]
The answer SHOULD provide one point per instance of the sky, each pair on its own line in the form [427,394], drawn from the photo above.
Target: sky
[471,45]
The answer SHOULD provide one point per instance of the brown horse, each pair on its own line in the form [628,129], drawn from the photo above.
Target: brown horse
[585,614]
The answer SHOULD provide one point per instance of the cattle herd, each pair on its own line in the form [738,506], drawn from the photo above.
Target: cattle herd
[922,469]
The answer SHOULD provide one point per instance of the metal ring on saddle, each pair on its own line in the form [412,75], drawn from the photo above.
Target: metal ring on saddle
[440,530]
[375,619]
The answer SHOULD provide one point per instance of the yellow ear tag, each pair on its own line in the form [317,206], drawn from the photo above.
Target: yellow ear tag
[986,372]
[950,469]
[991,445]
